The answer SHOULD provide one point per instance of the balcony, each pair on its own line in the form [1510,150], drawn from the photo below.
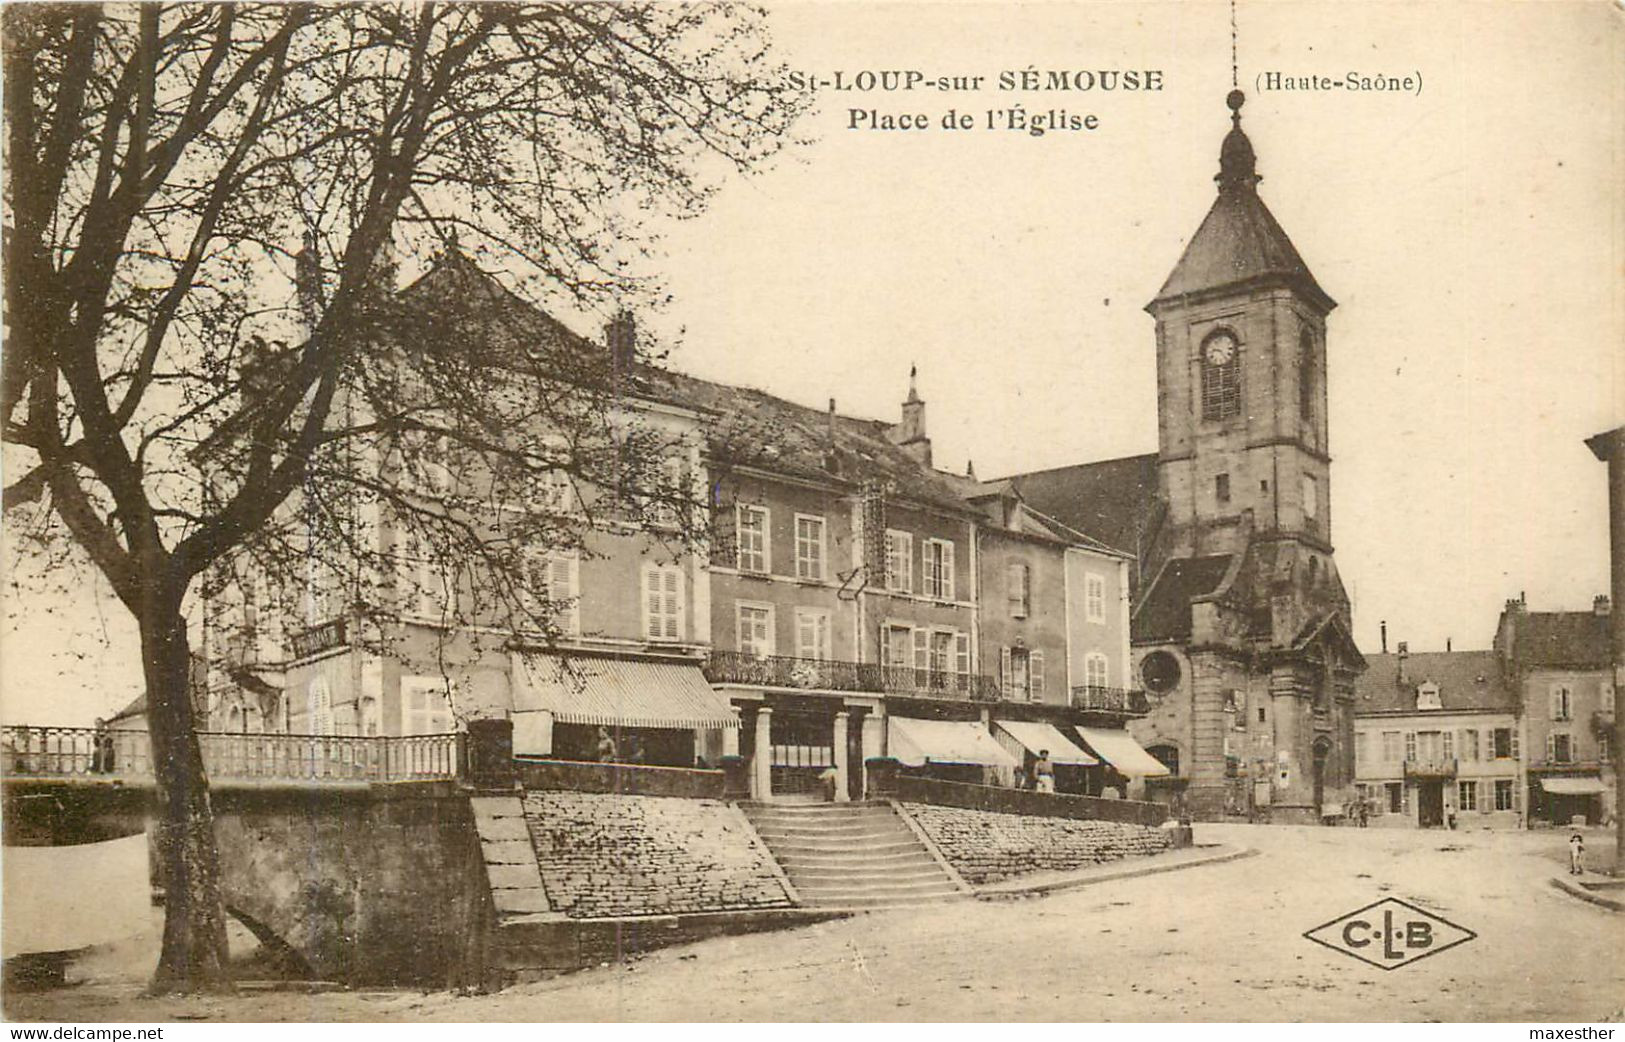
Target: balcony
[737,667]
[1110,700]
[1431,769]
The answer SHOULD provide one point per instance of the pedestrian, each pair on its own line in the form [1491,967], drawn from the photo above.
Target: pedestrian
[606,746]
[1044,772]
[101,752]
[1362,808]
[827,778]
[1577,855]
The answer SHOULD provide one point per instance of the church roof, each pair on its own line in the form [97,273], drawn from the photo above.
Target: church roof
[1165,612]
[1239,242]
[1110,500]
[1469,681]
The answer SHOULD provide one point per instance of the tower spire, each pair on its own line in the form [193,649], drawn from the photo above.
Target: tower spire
[1237,163]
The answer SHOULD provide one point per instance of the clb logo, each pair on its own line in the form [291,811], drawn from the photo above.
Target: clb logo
[1390,934]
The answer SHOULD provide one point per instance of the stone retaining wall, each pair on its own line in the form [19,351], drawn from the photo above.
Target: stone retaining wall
[605,854]
[986,846]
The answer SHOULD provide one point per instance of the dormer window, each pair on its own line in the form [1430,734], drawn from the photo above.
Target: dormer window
[1427,696]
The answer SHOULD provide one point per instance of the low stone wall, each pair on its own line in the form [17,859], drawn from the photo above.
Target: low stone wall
[986,847]
[913,789]
[605,855]
[633,779]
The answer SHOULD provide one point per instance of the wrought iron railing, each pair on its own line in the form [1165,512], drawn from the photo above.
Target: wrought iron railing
[737,667]
[61,752]
[1109,699]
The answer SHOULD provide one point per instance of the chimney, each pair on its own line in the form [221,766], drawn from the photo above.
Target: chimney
[970,469]
[832,458]
[1385,636]
[1447,644]
[1404,649]
[910,433]
[621,337]
[1600,605]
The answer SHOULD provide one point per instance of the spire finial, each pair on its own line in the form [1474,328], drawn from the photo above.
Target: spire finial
[1237,164]
[913,390]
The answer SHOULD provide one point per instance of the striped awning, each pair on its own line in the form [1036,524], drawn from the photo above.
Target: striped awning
[620,692]
[1119,749]
[1037,737]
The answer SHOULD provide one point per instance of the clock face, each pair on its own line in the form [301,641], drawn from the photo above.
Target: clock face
[1220,349]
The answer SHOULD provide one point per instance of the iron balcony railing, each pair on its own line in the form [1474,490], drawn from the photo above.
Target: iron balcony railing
[84,752]
[1109,699]
[1430,767]
[739,667]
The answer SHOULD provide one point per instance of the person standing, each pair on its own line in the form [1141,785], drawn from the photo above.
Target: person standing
[1044,772]
[1577,855]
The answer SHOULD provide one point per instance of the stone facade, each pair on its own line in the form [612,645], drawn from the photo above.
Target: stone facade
[603,854]
[985,847]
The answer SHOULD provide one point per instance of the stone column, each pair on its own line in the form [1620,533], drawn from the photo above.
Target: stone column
[730,736]
[761,775]
[841,767]
[874,745]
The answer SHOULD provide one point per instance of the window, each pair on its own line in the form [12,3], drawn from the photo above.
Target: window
[429,460]
[428,585]
[1311,497]
[1095,669]
[809,547]
[962,655]
[319,706]
[1396,797]
[1560,747]
[812,634]
[938,569]
[942,659]
[1094,597]
[1221,376]
[756,629]
[1447,745]
[1410,745]
[1504,794]
[663,602]
[1391,752]
[1306,375]
[367,717]
[1562,702]
[1261,712]
[1221,488]
[1467,795]
[555,492]
[1361,753]
[425,706]
[895,642]
[1022,673]
[899,561]
[1018,583]
[1501,744]
[552,585]
[1606,701]
[753,539]
[1469,744]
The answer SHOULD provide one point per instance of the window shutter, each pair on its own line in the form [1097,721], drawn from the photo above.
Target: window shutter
[1013,580]
[1035,666]
[885,645]
[671,581]
[1553,699]
[947,581]
[651,611]
[922,649]
[1513,732]
[962,653]
[1007,679]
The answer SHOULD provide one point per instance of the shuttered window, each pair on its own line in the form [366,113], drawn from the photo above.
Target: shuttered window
[663,602]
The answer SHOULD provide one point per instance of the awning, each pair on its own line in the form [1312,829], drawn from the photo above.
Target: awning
[914,742]
[1119,749]
[584,689]
[1573,786]
[1035,737]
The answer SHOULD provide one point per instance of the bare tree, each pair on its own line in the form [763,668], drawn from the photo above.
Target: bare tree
[172,169]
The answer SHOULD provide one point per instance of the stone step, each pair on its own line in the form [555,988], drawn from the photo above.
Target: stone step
[855,876]
[859,833]
[866,902]
[849,862]
[874,848]
[902,886]
[779,817]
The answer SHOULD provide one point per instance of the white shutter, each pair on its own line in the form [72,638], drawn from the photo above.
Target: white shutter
[1035,667]
[962,653]
[885,645]
[922,649]
[1007,673]
[947,569]
[671,586]
[1555,700]
[651,603]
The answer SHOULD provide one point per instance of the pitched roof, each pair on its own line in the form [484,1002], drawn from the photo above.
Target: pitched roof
[1165,611]
[1469,681]
[136,707]
[1239,241]
[1110,500]
[1576,639]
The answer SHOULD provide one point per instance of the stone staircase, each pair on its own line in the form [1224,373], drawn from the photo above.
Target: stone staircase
[851,855]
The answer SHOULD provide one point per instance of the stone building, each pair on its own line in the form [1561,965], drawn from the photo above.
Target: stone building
[1560,666]
[1437,740]
[1240,623]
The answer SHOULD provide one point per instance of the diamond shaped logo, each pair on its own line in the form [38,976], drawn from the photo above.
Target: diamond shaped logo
[1390,934]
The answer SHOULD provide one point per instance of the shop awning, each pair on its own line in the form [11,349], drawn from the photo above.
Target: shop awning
[1573,786]
[1036,736]
[1119,749]
[916,742]
[584,689]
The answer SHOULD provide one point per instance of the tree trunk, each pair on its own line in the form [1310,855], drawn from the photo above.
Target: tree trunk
[194,955]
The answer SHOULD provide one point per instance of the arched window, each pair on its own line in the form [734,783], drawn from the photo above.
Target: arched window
[1167,755]
[320,720]
[1306,375]
[1221,376]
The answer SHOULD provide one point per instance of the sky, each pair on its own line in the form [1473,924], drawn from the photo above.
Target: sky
[1471,232]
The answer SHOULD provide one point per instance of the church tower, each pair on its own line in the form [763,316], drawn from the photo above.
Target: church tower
[1241,373]
[1241,626]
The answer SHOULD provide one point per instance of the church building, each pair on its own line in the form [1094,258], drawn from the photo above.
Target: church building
[1240,624]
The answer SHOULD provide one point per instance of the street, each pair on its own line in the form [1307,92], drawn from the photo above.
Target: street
[1215,943]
